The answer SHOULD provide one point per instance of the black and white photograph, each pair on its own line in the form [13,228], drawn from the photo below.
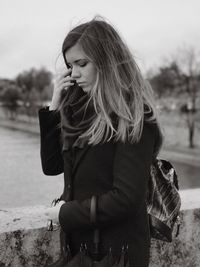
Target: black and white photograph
[99,133]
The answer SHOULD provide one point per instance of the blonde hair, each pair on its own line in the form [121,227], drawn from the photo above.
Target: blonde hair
[120,88]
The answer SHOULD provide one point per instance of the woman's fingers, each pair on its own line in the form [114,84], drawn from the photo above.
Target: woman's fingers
[62,81]
[65,83]
[64,73]
[67,79]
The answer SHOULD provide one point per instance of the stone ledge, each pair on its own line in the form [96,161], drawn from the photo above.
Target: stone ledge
[23,218]
[24,240]
[13,219]
[190,199]
[184,250]
[28,248]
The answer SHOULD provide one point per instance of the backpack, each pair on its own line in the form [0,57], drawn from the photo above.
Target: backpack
[163,200]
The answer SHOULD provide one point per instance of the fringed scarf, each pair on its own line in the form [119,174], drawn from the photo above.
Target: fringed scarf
[77,115]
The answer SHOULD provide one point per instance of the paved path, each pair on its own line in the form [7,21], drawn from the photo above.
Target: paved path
[182,155]
[185,157]
[32,127]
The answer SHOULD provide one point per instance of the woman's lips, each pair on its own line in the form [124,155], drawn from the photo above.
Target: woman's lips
[81,84]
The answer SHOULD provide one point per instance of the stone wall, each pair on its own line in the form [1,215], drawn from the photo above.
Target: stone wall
[184,251]
[24,240]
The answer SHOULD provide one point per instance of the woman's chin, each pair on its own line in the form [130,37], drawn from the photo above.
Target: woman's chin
[86,89]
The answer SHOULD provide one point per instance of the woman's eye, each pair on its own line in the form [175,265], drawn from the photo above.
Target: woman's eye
[83,64]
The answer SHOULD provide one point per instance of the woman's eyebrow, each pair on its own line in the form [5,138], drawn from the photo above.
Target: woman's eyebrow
[77,61]
[81,59]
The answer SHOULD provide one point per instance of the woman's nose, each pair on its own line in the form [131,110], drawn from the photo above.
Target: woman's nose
[75,73]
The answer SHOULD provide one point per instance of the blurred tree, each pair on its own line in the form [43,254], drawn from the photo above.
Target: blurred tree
[43,78]
[189,83]
[4,83]
[181,77]
[10,96]
[164,82]
[33,83]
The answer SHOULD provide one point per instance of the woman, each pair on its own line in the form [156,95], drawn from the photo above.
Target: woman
[101,131]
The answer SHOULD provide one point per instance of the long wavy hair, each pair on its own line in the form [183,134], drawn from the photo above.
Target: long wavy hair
[119,89]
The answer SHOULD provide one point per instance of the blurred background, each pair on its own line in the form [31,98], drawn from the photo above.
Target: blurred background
[164,37]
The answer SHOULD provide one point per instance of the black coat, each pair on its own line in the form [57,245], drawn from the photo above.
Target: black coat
[118,173]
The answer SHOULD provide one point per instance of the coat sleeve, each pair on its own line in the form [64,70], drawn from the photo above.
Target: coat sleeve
[131,172]
[50,142]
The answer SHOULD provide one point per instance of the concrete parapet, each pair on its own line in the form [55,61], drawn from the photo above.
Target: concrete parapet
[184,251]
[24,240]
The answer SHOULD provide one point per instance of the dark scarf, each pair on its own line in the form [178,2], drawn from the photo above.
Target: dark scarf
[76,117]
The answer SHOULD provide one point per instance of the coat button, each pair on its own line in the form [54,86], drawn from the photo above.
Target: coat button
[68,186]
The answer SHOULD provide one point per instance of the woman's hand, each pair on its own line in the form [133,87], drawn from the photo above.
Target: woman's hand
[53,212]
[62,82]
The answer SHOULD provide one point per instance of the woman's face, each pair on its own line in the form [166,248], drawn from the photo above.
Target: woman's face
[83,70]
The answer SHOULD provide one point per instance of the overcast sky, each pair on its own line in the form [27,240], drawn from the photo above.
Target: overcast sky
[32,31]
